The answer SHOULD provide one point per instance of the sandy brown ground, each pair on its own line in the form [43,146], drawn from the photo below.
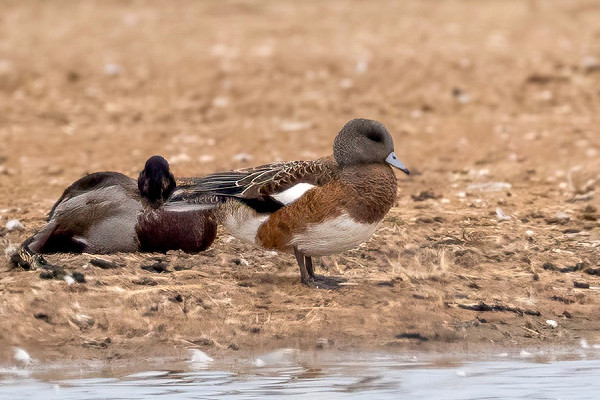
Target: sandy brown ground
[501,93]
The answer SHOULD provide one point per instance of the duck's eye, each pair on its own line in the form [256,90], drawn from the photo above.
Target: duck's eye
[375,137]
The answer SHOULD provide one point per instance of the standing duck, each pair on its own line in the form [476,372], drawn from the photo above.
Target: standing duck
[310,208]
[108,212]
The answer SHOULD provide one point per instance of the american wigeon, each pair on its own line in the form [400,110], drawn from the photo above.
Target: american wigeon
[108,212]
[310,208]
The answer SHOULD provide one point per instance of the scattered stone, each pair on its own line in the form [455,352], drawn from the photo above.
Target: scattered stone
[200,358]
[573,268]
[322,343]
[501,216]
[544,79]
[10,249]
[158,267]
[593,271]
[104,264]
[497,307]
[590,64]
[524,354]
[562,299]
[112,69]
[69,279]
[242,157]
[489,186]
[233,347]
[43,316]
[176,299]
[21,356]
[460,96]
[295,126]
[581,285]
[425,195]
[550,267]
[241,261]
[552,323]
[14,225]
[78,277]
[567,314]
[416,336]
[559,219]
[53,273]
[145,281]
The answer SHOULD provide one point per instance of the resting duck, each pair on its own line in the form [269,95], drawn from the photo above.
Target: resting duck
[310,208]
[108,212]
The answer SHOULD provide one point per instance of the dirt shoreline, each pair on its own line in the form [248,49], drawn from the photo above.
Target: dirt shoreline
[496,119]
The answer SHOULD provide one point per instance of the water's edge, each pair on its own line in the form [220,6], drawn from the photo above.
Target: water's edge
[548,373]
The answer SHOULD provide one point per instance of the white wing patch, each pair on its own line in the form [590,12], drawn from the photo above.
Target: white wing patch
[292,194]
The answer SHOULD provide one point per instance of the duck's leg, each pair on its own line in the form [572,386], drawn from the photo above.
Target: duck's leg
[304,276]
[309,266]
[27,259]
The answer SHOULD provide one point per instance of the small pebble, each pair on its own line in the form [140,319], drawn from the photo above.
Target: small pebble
[43,316]
[158,267]
[79,277]
[552,323]
[200,358]
[10,250]
[295,126]
[21,356]
[501,216]
[104,264]
[14,225]
[242,157]
[524,354]
[69,279]
[581,285]
[112,69]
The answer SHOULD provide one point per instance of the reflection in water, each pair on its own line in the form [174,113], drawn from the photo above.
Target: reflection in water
[318,375]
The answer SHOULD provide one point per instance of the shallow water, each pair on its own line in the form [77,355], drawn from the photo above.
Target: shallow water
[319,375]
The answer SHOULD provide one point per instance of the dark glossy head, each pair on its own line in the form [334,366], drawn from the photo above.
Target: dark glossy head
[365,141]
[156,182]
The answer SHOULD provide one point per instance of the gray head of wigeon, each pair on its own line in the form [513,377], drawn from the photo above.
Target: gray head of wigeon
[365,141]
